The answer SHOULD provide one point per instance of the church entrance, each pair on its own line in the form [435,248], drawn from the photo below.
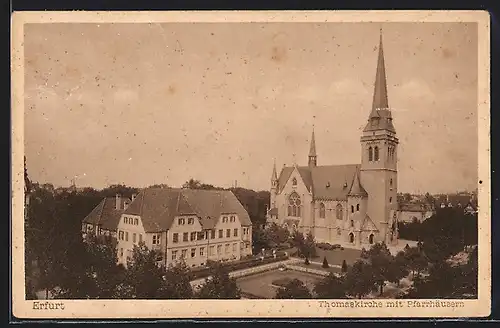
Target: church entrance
[351,238]
[370,239]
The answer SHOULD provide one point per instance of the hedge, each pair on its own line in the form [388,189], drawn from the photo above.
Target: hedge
[239,265]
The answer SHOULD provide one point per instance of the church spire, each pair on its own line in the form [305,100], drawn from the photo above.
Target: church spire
[312,151]
[380,100]
[274,176]
[380,116]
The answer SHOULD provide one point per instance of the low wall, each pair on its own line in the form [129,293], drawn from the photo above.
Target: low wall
[307,270]
[247,271]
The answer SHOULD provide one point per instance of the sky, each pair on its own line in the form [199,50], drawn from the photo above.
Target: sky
[142,104]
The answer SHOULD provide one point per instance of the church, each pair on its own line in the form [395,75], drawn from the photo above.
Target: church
[349,204]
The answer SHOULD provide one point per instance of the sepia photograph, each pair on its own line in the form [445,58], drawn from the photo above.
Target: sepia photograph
[339,160]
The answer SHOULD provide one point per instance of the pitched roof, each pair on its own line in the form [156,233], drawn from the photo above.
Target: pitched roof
[105,214]
[380,116]
[368,224]
[159,206]
[380,100]
[274,176]
[328,182]
[312,149]
[356,187]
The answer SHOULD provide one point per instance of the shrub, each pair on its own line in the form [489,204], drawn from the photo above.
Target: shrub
[344,266]
[282,282]
[325,263]
[306,261]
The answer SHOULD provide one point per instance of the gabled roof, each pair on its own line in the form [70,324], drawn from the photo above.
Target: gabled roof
[329,182]
[105,214]
[159,206]
[356,187]
[368,224]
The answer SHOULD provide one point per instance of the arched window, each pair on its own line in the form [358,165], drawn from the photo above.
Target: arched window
[357,207]
[375,154]
[351,237]
[370,153]
[352,223]
[352,208]
[370,239]
[322,210]
[294,182]
[390,183]
[390,200]
[294,205]
[339,212]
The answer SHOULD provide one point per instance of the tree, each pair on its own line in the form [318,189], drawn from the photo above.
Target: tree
[297,240]
[381,262]
[360,280]
[400,267]
[415,259]
[330,287]
[219,285]
[308,247]
[102,270]
[277,234]
[176,283]
[260,239]
[295,289]
[143,277]
[325,263]
[344,266]
[192,184]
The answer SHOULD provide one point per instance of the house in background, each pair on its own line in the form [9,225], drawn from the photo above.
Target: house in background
[412,212]
[181,224]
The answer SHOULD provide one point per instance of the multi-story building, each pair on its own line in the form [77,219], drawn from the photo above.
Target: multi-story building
[345,203]
[181,224]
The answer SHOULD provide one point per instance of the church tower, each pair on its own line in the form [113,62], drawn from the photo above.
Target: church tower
[274,187]
[379,159]
[313,158]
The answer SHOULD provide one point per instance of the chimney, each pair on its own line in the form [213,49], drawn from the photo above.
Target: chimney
[118,201]
[133,196]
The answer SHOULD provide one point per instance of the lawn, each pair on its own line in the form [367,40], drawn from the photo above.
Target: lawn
[336,256]
[260,284]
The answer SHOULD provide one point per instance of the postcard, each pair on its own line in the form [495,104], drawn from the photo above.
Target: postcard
[239,164]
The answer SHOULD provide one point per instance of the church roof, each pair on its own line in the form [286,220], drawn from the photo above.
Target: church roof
[380,100]
[312,149]
[356,187]
[328,182]
[380,116]
[274,175]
